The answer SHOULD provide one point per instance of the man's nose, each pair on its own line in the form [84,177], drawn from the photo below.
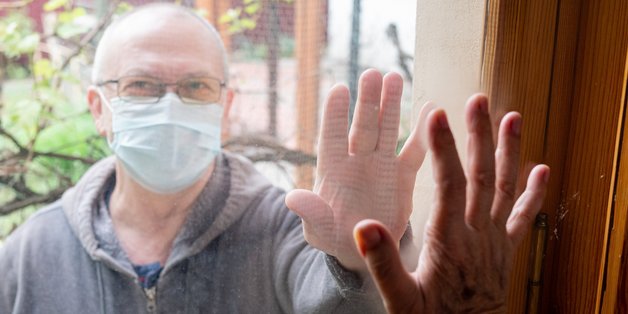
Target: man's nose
[171,88]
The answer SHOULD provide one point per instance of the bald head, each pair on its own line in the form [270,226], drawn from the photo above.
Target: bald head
[162,40]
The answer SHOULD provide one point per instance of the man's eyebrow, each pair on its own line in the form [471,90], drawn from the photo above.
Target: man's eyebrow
[197,74]
[139,72]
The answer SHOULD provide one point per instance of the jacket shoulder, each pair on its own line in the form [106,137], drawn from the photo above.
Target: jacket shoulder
[45,229]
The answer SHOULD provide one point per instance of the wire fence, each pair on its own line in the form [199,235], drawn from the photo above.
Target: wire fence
[284,56]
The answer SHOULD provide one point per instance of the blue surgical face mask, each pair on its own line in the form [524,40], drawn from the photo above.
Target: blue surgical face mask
[166,146]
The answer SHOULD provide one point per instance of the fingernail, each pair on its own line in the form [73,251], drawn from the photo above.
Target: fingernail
[484,106]
[442,121]
[515,126]
[368,239]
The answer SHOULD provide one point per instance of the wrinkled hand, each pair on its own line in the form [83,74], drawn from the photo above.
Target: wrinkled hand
[359,176]
[466,258]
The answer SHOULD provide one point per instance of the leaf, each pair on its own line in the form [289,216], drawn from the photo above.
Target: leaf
[64,17]
[14,28]
[43,69]
[70,78]
[69,16]
[52,96]
[123,7]
[28,44]
[69,136]
[52,5]
[230,16]
[248,23]
[40,179]
[69,30]
[78,12]
[14,118]
[24,124]
[225,19]
[235,28]
[252,8]
[11,28]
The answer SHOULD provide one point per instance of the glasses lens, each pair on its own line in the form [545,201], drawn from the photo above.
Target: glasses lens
[199,90]
[140,89]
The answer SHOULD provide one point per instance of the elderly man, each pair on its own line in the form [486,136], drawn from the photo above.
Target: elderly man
[171,224]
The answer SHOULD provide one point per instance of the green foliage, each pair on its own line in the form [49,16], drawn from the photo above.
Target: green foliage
[55,4]
[123,7]
[69,23]
[240,19]
[244,17]
[47,137]
[17,35]
[252,7]
[248,50]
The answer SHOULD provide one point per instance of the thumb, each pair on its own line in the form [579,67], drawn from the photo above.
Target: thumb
[317,217]
[309,206]
[415,148]
[397,287]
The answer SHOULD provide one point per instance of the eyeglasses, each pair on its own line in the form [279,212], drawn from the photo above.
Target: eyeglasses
[148,90]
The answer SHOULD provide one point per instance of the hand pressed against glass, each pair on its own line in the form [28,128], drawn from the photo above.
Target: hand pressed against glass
[473,231]
[359,176]
[475,227]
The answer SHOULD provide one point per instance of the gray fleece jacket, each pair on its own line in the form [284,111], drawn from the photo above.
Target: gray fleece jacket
[243,252]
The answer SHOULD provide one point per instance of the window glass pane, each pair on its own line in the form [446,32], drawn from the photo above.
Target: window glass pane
[448,56]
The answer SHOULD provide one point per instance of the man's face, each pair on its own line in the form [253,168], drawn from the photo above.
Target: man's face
[159,45]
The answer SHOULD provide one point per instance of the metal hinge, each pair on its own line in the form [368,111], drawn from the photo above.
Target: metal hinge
[539,240]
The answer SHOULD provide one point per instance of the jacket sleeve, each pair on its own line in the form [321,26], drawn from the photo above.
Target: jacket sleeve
[309,281]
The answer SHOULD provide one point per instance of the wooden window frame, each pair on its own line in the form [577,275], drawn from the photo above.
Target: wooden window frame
[562,64]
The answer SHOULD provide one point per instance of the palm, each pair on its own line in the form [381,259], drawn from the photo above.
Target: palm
[356,188]
[359,176]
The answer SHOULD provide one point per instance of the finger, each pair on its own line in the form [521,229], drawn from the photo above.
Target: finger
[389,113]
[333,134]
[396,286]
[507,159]
[412,154]
[414,149]
[364,131]
[529,204]
[317,215]
[448,173]
[481,162]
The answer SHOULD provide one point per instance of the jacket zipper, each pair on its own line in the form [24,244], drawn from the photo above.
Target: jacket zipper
[151,304]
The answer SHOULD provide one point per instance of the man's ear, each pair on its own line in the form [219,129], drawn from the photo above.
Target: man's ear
[225,115]
[95,103]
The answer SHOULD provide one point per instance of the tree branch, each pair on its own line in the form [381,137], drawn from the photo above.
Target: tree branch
[84,160]
[266,149]
[91,34]
[25,154]
[12,138]
[30,200]
[393,35]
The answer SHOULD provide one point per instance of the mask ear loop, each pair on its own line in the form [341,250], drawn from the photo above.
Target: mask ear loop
[104,100]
